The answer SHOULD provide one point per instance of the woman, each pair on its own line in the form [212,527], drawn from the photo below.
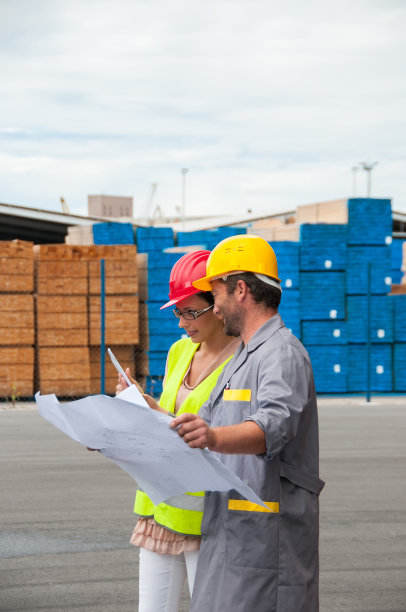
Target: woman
[169,534]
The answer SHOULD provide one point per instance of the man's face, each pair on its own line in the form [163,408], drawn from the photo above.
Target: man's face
[226,308]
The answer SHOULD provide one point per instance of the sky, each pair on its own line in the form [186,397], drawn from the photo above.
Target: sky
[269,105]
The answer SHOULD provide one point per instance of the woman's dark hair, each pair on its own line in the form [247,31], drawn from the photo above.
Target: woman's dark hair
[207,296]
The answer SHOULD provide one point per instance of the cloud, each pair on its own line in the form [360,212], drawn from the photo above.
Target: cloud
[267,104]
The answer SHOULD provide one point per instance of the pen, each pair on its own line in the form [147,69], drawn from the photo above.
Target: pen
[118,367]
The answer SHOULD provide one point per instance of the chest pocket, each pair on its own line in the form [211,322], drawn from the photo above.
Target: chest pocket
[236,406]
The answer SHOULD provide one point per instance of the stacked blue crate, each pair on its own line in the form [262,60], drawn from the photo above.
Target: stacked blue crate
[399,367]
[369,242]
[381,325]
[208,239]
[396,260]
[369,221]
[323,256]
[318,333]
[323,247]
[380,370]
[287,255]
[154,238]
[329,367]
[357,269]
[399,317]
[113,233]
[163,328]
[399,348]
[322,296]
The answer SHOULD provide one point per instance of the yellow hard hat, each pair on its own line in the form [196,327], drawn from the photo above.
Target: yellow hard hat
[243,253]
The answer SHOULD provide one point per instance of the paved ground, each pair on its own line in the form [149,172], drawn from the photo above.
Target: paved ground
[66,515]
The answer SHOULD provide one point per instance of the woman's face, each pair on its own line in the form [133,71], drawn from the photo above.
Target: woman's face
[205,326]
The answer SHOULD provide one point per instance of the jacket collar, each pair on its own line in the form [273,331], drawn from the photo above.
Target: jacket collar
[264,332]
[241,354]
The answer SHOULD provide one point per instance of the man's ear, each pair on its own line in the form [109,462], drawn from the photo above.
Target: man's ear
[241,291]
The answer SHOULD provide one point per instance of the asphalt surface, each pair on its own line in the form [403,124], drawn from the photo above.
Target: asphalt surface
[66,515]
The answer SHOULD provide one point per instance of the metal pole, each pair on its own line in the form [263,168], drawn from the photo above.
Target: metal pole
[102,327]
[369,334]
[354,181]
[184,173]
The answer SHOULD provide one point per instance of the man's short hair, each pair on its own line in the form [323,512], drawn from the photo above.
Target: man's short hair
[260,291]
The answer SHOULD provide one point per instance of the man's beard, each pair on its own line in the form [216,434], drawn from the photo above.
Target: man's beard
[232,324]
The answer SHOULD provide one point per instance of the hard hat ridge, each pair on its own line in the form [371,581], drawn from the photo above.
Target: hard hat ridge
[242,253]
[187,269]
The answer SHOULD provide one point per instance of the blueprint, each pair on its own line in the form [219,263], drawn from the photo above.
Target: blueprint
[140,441]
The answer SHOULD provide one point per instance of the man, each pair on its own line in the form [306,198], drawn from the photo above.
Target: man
[262,419]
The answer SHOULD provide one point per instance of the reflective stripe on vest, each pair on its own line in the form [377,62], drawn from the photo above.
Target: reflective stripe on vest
[182,513]
[247,506]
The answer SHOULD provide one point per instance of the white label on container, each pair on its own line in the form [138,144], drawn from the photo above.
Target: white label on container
[337,368]
[388,240]
[388,280]
[328,263]
[337,333]
[288,282]
[333,314]
[379,369]
[380,333]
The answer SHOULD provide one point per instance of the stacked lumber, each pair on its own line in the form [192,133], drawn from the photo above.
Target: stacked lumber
[16,266]
[332,211]
[275,232]
[120,277]
[16,319]
[69,312]
[121,319]
[125,356]
[17,330]
[64,371]
[16,371]
[62,320]
[80,235]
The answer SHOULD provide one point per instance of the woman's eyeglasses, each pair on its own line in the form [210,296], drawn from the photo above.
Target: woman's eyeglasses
[189,315]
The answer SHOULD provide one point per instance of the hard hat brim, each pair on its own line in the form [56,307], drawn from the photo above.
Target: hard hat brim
[183,296]
[203,284]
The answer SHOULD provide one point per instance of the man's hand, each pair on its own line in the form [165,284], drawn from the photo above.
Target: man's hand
[245,438]
[194,431]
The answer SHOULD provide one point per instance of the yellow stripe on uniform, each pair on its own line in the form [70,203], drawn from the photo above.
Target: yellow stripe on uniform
[237,395]
[247,506]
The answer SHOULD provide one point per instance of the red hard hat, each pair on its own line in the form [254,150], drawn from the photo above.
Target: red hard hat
[187,269]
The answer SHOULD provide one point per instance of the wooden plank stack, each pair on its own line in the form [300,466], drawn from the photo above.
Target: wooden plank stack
[16,371]
[124,354]
[64,371]
[68,313]
[17,330]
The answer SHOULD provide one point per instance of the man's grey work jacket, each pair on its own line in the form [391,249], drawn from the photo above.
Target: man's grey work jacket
[251,560]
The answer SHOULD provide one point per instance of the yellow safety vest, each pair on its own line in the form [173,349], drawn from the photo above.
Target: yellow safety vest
[182,513]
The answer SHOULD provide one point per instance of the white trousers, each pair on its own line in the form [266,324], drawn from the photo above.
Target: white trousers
[162,578]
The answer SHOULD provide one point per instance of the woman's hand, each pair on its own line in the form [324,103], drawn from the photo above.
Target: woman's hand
[154,404]
[121,385]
